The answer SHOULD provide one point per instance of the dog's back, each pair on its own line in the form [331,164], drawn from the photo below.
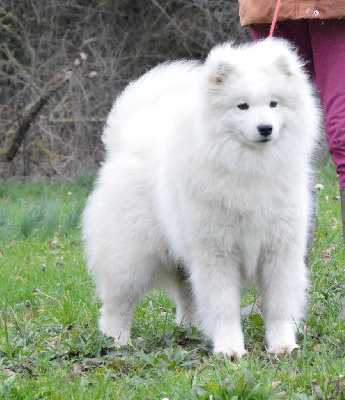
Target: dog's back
[146,99]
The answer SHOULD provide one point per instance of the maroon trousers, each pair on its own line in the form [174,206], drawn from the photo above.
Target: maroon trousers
[322,44]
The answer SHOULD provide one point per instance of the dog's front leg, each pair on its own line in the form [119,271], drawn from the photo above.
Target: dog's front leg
[217,288]
[283,287]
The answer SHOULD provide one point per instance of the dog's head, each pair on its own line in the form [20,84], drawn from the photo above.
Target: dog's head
[256,92]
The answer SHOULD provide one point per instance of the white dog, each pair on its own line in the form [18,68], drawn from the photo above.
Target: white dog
[207,169]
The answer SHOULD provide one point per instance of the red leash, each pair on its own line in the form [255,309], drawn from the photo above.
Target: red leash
[275,18]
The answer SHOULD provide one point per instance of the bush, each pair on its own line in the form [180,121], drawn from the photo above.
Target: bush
[107,44]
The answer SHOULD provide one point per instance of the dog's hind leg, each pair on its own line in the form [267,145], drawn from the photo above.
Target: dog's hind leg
[181,291]
[116,314]
[120,289]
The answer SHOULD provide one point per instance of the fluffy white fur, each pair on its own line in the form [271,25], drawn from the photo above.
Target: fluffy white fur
[188,180]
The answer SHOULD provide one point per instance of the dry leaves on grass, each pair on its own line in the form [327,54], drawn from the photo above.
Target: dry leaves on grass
[326,253]
[342,314]
[336,391]
[54,243]
[8,372]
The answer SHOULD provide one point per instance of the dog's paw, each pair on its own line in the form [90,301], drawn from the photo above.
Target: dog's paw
[121,336]
[119,339]
[230,351]
[283,349]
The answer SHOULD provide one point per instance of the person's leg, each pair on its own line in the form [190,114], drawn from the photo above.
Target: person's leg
[260,31]
[328,44]
[296,32]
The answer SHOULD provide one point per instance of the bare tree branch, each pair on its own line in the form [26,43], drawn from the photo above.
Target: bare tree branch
[19,129]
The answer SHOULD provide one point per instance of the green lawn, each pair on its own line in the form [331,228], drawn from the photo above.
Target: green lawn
[50,347]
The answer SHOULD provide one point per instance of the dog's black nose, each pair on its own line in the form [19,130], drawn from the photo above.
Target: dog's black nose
[265,130]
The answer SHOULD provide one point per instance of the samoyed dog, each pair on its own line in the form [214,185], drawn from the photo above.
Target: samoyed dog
[205,189]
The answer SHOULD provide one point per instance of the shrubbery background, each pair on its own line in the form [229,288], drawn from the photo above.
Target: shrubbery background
[105,44]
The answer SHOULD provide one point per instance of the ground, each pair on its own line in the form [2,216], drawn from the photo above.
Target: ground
[50,347]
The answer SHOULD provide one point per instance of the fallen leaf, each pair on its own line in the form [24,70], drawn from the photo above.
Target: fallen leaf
[8,372]
[279,395]
[78,368]
[335,223]
[54,243]
[318,346]
[92,74]
[18,278]
[341,315]
[83,56]
[326,254]
[317,388]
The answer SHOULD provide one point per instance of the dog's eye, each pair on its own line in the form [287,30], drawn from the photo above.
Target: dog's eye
[243,106]
[273,104]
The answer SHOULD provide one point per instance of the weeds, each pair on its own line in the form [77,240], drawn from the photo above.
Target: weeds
[246,388]
[38,210]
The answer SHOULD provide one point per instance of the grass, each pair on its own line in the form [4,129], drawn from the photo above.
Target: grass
[50,347]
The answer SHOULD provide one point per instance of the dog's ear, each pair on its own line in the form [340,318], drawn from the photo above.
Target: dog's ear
[219,64]
[223,70]
[288,62]
[285,65]
[281,54]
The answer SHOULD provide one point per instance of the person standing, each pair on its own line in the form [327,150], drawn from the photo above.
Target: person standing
[317,30]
